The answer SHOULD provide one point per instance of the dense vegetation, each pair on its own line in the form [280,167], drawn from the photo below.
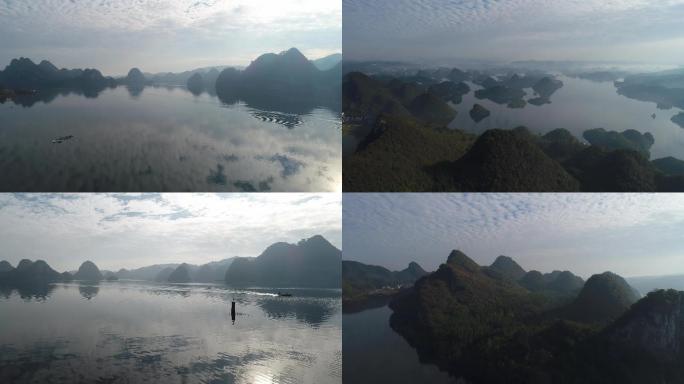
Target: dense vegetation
[400,124]
[499,324]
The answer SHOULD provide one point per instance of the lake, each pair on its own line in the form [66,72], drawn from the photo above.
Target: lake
[127,331]
[578,106]
[374,353]
[165,139]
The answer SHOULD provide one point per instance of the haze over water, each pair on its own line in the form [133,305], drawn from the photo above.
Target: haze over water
[166,139]
[144,332]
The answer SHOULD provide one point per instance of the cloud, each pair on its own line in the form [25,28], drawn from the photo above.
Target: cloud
[133,230]
[508,30]
[632,234]
[165,35]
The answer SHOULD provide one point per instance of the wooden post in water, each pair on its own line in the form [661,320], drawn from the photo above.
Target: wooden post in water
[232,311]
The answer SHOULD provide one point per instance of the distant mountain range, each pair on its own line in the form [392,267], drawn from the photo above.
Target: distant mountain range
[212,272]
[328,62]
[271,80]
[501,324]
[367,286]
[312,262]
[24,74]
[278,78]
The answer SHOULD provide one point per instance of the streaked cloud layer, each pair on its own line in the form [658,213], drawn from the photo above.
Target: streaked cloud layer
[612,30]
[134,230]
[165,35]
[630,234]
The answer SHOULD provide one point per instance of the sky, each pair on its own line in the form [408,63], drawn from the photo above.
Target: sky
[134,230]
[165,35]
[628,234]
[645,31]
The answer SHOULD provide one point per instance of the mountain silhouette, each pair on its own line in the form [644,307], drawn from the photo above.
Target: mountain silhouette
[507,267]
[5,266]
[29,273]
[163,274]
[88,271]
[362,277]
[24,74]
[287,81]
[180,274]
[135,78]
[312,262]
[328,62]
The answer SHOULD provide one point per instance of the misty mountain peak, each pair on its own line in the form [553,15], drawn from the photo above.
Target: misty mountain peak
[413,266]
[316,241]
[5,266]
[293,53]
[24,264]
[88,271]
[47,66]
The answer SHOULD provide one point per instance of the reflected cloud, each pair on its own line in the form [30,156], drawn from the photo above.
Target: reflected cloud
[139,146]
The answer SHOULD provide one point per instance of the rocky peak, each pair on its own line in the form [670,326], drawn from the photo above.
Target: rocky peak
[88,271]
[654,324]
[508,267]
[459,259]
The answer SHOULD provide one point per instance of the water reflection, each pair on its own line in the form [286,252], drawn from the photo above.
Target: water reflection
[135,91]
[88,290]
[167,333]
[28,292]
[578,106]
[370,345]
[166,139]
[313,312]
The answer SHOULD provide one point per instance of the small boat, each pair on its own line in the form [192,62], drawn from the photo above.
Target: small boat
[283,294]
[62,139]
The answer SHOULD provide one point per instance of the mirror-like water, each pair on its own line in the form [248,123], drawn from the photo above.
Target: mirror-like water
[125,332]
[165,139]
[375,353]
[578,106]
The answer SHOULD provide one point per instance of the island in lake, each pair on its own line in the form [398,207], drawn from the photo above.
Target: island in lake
[408,120]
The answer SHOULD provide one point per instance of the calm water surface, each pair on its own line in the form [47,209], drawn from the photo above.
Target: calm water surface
[125,332]
[166,139]
[374,353]
[578,106]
